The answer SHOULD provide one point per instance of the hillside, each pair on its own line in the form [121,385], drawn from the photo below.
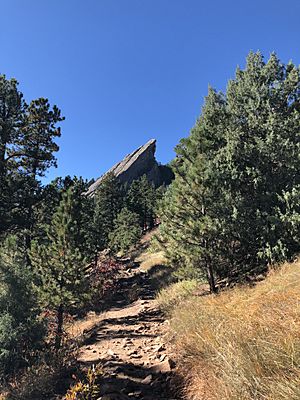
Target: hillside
[242,344]
[158,338]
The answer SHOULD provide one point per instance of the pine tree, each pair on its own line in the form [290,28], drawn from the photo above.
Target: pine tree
[263,146]
[126,232]
[233,202]
[34,151]
[36,146]
[50,197]
[21,331]
[85,209]
[59,265]
[190,210]
[11,110]
[141,199]
[12,107]
[27,147]
[108,203]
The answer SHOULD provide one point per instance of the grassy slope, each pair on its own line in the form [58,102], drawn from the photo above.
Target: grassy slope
[242,344]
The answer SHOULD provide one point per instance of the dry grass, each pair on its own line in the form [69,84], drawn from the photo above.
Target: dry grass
[174,294]
[245,343]
[77,328]
[148,260]
[48,378]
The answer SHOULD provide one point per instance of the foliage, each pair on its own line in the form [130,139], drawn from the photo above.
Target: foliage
[11,110]
[35,147]
[102,278]
[50,197]
[27,147]
[126,232]
[243,343]
[232,203]
[21,331]
[28,134]
[59,265]
[85,238]
[46,377]
[141,199]
[108,203]
[114,203]
[88,390]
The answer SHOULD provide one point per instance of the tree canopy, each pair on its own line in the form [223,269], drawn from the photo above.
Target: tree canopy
[232,205]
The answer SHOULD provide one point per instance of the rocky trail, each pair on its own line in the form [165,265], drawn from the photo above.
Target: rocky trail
[127,340]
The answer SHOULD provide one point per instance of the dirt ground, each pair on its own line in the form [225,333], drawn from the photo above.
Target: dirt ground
[128,340]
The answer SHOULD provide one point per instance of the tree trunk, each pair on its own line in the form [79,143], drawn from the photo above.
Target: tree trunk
[211,279]
[59,329]
[2,160]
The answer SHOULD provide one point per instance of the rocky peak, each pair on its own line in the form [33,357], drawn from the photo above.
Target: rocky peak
[136,164]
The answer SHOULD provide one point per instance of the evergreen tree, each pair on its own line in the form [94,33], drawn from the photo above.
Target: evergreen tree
[11,110]
[108,203]
[126,232]
[27,148]
[51,196]
[141,199]
[36,147]
[190,210]
[20,329]
[34,151]
[86,240]
[264,146]
[59,265]
[233,201]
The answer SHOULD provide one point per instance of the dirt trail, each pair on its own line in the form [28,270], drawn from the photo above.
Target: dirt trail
[128,341]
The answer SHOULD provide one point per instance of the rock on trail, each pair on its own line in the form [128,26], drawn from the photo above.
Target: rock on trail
[128,342]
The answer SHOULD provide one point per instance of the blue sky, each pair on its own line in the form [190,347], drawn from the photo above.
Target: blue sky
[125,71]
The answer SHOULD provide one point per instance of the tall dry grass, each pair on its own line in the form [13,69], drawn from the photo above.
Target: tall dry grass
[147,260]
[172,296]
[243,344]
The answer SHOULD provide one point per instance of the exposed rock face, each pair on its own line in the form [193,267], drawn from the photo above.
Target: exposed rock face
[140,162]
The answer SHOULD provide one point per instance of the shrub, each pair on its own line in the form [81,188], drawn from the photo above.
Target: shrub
[47,377]
[88,390]
[21,331]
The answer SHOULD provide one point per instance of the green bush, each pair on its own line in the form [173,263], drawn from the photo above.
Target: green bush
[127,231]
[21,331]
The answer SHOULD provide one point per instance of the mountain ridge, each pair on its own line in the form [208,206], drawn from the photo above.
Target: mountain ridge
[140,162]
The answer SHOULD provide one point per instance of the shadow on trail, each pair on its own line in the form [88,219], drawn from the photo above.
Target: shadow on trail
[102,329]
[123,381]
[136,285]
[121,378]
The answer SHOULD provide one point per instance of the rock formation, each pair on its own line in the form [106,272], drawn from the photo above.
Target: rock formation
[136,164]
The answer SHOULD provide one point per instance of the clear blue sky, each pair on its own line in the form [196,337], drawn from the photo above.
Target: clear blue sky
[125,71]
